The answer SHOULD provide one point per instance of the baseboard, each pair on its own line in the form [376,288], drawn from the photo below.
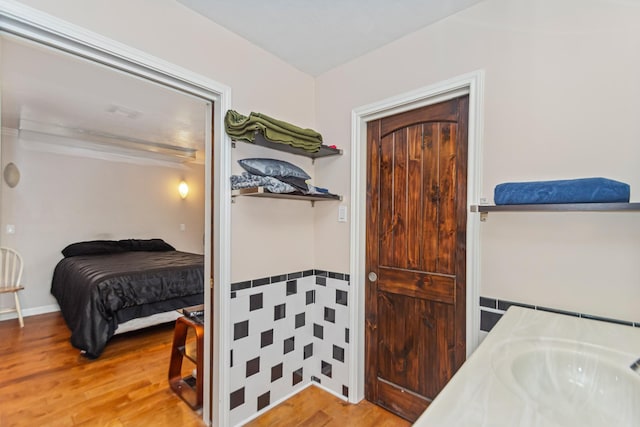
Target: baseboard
[276,403]
[339,396]
[34,311]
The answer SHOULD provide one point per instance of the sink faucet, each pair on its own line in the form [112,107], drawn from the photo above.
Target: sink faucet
[635,366]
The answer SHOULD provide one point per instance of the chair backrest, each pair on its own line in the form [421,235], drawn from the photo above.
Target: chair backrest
[10,268]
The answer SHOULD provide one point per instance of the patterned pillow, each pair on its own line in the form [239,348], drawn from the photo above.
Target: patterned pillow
[272,167]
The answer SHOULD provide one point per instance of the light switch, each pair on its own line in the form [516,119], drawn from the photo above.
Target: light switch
[183,227]
[11,229]
[342,213]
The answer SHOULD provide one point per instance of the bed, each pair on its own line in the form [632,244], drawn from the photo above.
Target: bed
[103,287]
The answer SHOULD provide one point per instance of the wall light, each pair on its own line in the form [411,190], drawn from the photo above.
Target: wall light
[183,189]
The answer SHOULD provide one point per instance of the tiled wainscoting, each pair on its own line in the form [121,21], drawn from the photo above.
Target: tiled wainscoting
[492,309]
[288,330]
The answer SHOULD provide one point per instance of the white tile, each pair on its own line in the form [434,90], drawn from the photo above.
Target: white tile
[239,309]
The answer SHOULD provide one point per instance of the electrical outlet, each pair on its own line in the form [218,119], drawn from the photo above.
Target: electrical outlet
[183,227]
[11,229]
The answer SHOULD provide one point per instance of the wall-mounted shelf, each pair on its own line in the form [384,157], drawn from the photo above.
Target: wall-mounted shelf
[263,192]
[325,151]
[557,207]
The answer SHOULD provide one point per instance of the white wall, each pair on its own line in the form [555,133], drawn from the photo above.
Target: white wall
[259,82]
[562,100]
[62,199]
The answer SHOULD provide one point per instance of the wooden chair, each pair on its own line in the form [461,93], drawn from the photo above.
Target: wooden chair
[10,277]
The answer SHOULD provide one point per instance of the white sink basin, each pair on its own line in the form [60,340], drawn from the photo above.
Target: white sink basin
[571,383]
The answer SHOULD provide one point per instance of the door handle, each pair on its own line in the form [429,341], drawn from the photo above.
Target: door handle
[372,276]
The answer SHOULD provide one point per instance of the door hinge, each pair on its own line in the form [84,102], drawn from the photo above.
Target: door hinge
[211,282]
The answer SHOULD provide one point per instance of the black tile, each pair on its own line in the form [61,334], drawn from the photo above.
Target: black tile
[553,310]
[311,297]
[307,273]
[297,376]
[347,277]
[289,345]
[233,295]
[264,400]
[326,369]
[255,302]
[338,276]
[240,285]
[279,311]
[488,320]
[346,335]
[276,372]
[341,297]
[318,331]
[504,305]
[292,287]
[606,319]
[240,330]
[231,358]
[321,273]
[329,315]
[345,391]
[308,351]
[487,302]
[253,367]
[266,338]
[338,353]
[260,282]
[315,379]
[299,320]
[637,324]
[278,278]
[236,398]
[296,275]
[322,281]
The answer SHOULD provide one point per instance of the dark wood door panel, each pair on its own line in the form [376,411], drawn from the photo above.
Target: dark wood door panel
[401,402]
[417,198]
[442,112]
[417,284]
[416,233]
[416,343]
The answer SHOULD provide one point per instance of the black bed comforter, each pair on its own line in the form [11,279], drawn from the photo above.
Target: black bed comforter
[96,292]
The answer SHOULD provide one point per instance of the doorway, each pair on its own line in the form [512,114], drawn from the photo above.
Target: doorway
[416,255]
[24,22]
[471,84]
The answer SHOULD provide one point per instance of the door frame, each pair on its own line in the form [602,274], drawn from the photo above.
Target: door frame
[473,85]
[32,24]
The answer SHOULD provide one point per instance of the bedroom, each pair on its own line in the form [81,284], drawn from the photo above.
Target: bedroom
[76,186]
[549,112]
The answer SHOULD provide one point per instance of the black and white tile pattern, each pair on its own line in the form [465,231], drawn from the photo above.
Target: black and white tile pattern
[288,330]
[492,309]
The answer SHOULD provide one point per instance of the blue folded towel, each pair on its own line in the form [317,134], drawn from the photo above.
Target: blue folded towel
[584,190]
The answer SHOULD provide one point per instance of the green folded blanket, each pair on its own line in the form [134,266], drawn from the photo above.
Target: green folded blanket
[245,128]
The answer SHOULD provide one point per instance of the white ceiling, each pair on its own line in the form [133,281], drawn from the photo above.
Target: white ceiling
[318,35]
[93,106]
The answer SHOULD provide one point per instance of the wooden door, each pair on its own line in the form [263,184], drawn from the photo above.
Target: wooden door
[416,236]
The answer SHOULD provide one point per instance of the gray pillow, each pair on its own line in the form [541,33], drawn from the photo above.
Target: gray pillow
[272,167]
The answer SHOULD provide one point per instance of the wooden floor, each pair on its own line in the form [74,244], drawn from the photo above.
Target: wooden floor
[45,382]
[314,407]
